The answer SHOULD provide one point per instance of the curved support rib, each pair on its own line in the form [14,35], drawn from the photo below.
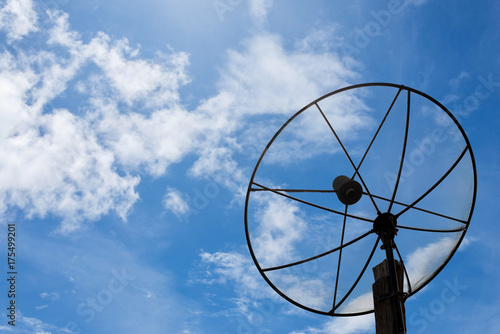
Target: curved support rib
[405,142]
[378,130]
[348,157]
[435,184]
[312,204]
[460,229]
[340,258]
[294,190]
[358,278]
[423,210]
[319,255]
[404,270]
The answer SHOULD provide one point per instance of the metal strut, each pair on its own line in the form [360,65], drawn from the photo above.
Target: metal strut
[385,226]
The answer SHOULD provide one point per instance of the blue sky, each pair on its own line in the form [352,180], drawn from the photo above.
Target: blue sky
[129,132]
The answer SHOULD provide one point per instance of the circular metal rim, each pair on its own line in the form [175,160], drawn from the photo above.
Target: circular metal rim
[371,84]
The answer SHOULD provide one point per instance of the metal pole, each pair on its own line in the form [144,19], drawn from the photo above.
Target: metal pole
[395,289]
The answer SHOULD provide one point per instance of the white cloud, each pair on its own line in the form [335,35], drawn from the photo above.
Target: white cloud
[218,162]
[425,260]
[84,162]
[309,292]
[457,81]
[466,242]
[174,201]
[53,77]
[224,267]
[58,166]
[279,226]
[265,78]
[50,295]
[32,325]
[130,79]
[274,238]
[361,303]
[18,19]
[350,325]
[58,162]
[150,141]
[137,79]
[236,272]
[16,80]
[259,10]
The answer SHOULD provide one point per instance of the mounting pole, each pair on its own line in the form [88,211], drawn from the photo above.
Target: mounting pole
[387,294]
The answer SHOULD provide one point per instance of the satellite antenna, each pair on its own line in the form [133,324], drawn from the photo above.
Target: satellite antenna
[368,166]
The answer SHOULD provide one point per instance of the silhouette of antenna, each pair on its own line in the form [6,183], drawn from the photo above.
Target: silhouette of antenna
[368,166]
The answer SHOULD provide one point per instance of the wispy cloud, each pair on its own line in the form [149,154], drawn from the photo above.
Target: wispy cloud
[18,19]
[174,201]
[341,325]
[224,267]
[259,10]
[50,295]
[425,260]
[280,225]
[457,81]
[30,325]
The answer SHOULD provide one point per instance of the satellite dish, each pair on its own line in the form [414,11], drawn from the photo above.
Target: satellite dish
[375,165]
